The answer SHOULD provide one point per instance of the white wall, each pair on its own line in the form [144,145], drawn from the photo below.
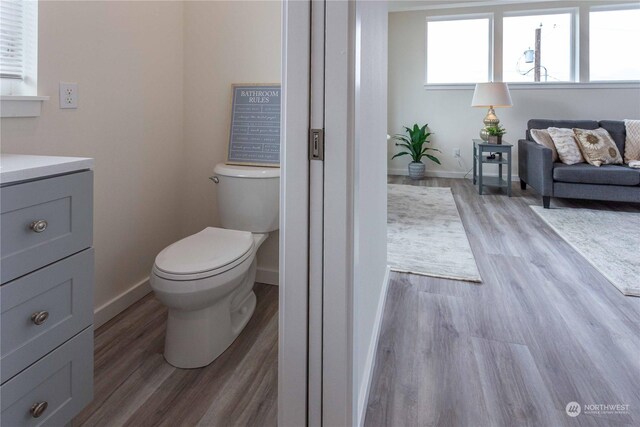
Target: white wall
[154,102]
[370,193]
[224,43]
[127,60]
[448,112]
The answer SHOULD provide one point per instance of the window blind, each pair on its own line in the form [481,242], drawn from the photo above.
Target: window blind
[11,39]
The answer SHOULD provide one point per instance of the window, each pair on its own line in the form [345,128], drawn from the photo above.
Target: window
[614,43]
[546,36]
[458,51]
[11,27]
[594,41]
[18,47]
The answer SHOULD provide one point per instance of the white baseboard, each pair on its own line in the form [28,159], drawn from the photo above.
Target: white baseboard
[444,174]
[434,174]
[115,306]
[118,304]
[365,386]
[267,275]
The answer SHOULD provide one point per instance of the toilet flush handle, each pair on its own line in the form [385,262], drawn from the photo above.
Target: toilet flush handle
[214,179]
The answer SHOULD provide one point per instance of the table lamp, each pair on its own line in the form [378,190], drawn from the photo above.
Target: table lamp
[491,95]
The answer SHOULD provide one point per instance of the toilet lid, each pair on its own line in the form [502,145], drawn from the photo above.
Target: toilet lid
[210,249]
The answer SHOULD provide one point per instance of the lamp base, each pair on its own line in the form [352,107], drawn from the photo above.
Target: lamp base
[489,120]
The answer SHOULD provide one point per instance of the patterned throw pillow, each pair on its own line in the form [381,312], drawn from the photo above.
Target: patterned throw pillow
[566,145]
[632,143]
[542,137]
[597,147]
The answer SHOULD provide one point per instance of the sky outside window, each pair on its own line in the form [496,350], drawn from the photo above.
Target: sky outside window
[519,36]
[614,45]
[458,51]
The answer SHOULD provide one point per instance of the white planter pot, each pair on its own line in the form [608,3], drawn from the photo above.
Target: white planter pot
[416,170]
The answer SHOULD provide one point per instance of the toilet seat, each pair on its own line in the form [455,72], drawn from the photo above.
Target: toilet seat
[210,252]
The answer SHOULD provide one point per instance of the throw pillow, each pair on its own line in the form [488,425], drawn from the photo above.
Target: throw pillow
[597,147]
[566,145]
[542,137]
[632,143]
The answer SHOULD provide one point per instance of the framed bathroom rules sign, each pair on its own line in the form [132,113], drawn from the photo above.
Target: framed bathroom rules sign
[254,138]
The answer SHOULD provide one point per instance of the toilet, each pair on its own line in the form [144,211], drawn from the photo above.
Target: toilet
[206,279]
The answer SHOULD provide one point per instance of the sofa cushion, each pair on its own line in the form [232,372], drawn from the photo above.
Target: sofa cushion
[617,130]
[542,137]
[597,147]
[584,173]
[632,141]
[566,145]
[569,124]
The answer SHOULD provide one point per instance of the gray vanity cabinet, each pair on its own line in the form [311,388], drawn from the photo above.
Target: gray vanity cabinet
[46,299]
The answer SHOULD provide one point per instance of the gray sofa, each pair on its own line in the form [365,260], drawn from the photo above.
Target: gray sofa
[581,181]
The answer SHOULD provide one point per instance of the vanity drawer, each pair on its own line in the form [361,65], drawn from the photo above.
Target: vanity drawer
[43,221]
[62,379]
[40,311]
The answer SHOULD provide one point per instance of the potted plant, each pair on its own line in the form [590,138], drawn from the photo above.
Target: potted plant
[414,143]
[495,134]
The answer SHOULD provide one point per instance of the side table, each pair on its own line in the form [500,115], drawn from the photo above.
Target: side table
[480,149]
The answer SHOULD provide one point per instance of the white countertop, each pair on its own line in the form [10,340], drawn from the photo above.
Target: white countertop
[21,167]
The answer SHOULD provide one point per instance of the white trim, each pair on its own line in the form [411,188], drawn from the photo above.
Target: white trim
[365,386]
[461,17]
[294,215]
[461,5]
[544,11]
[494,3]
[337,347]
[445,174]
[543,86]
[269,276]
[118,304]
[430,174]
[614,7]
[23,98]
[21,106]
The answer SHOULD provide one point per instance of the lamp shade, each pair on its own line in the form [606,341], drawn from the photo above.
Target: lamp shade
[493,94]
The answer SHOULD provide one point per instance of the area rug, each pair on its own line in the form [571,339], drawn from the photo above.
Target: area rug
[425,234]
[610,241]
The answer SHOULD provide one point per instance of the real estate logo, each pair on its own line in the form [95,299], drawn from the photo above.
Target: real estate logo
[573,409]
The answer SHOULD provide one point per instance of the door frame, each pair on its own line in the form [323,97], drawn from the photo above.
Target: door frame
[337,402]
[294,216]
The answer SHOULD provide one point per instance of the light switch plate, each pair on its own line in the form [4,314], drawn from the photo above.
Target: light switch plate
[68,95]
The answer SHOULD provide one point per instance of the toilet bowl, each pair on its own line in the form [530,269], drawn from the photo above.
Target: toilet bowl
[206,280]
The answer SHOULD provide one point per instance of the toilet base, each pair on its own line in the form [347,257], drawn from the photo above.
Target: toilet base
[206,314]
[196,338]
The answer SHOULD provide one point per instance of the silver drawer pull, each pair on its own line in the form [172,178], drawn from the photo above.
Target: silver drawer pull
[39,317]
[38,409]
[39,226]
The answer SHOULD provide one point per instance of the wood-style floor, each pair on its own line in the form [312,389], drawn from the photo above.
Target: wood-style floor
[135,386]
[542,330]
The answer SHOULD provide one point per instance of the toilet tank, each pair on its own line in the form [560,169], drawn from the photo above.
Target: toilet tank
[248,197]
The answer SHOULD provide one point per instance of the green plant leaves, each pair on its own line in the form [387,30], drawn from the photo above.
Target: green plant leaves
[400,154]
[414,142]
[432,158]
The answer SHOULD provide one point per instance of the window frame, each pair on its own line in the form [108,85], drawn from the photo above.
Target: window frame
[461,17]
[19,97]
[574,13]
[579,43]
[606,8]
